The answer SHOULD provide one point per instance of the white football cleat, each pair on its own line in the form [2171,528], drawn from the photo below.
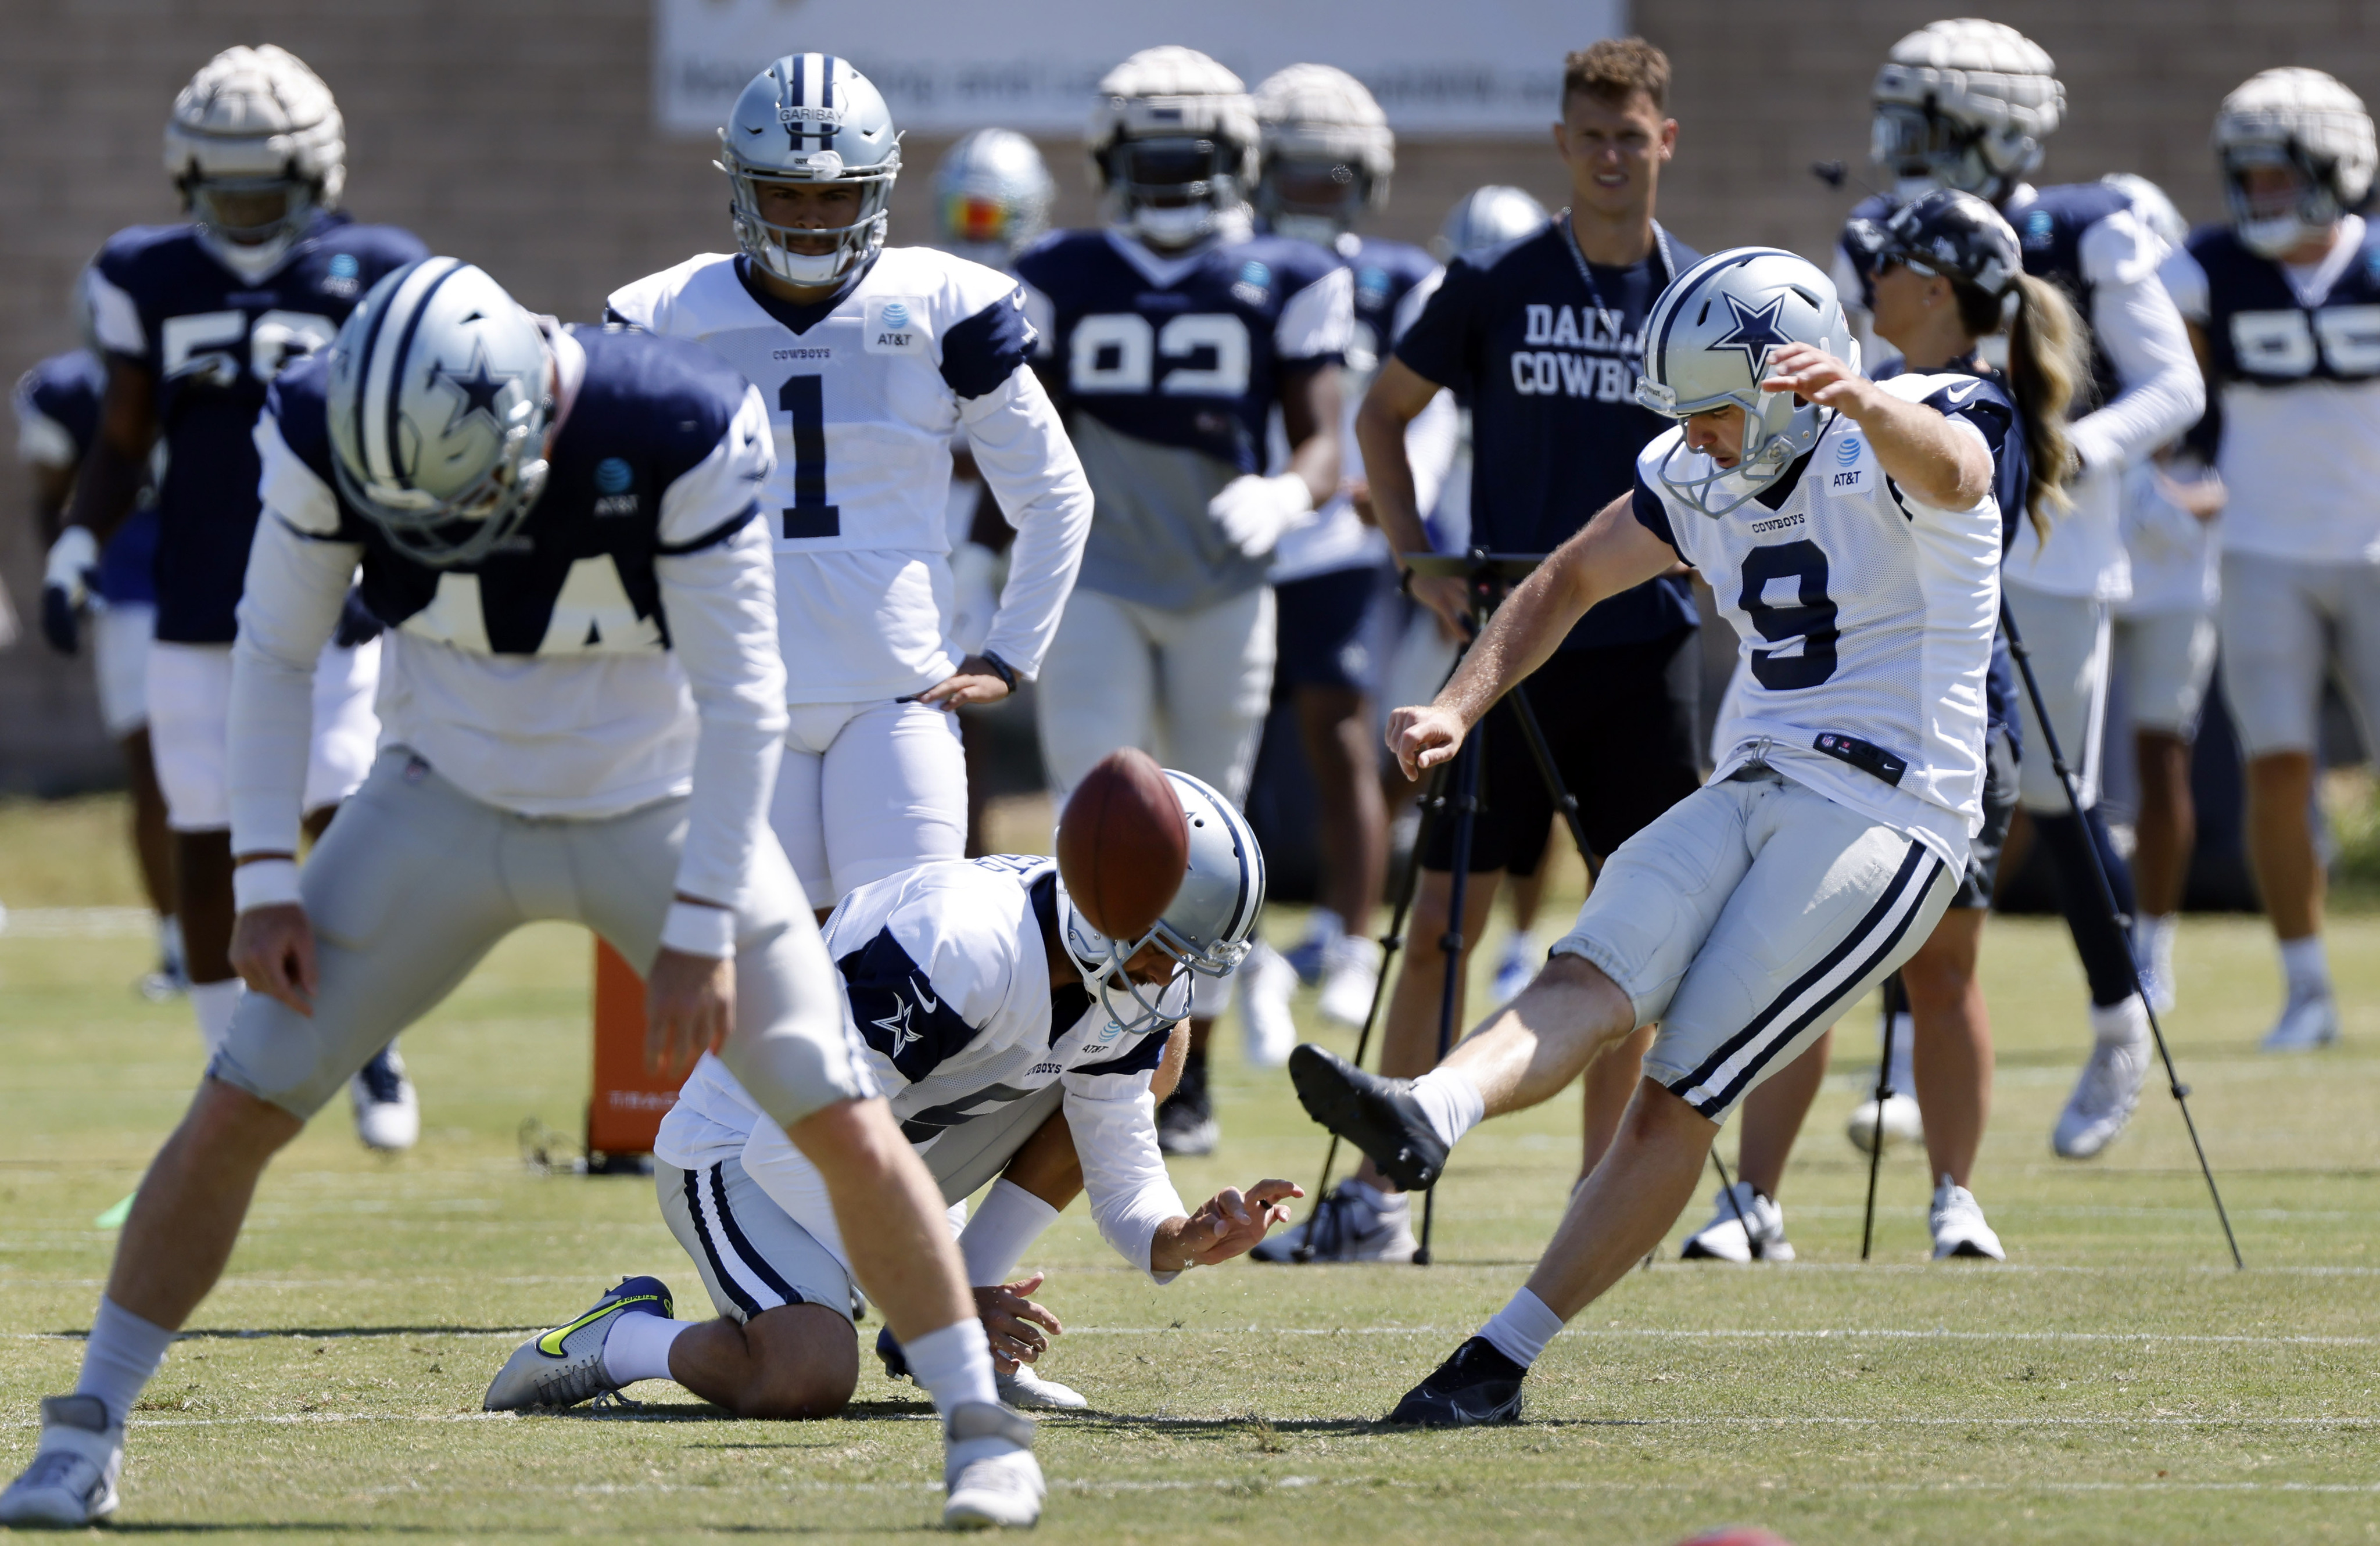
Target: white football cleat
[2306,1023]
[989,1477]
[1356,1223]
[72,1479]
[1351,976]
[1903,1123]
[388,1113]
[2103,1099]
[1958,1224]
[1266,1029]
[1745,1226]
[1028,1392]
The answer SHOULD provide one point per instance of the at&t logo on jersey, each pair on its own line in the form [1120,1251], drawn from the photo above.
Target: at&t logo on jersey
[342,276]
[893,327]
[1848,452]
[1255,283]
[615,488]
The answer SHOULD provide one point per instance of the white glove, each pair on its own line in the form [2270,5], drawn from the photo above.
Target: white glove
[1255,511]
[74,558]
[974,598]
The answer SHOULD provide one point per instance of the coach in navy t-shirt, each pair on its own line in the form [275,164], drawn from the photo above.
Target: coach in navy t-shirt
[1540,338]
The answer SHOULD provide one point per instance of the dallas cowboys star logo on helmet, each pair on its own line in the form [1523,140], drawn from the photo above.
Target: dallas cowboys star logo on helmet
[1754,333]
[478,389]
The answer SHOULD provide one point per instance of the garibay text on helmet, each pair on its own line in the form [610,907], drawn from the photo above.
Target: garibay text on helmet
[1707,346]
[1325,152]
[256,146]
[1205,929]
[441,394]
[1173,145]
[809,119]
[1487,217]
[992,195]
[1963,105]
[2302,122]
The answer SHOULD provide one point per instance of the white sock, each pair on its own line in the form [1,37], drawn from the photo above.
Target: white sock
[121,1357]
[1002,1229]
[1451,1101]
[1902,1077]
[2123,1024]
[954,1364]
[637,1347]
[214,1004]
[1520,1330]
[2307,967]
[169,943]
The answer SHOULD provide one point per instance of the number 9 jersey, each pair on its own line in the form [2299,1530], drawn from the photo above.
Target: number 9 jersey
[1866,617]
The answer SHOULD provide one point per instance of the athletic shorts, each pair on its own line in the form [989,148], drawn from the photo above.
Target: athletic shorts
[2286,623]
[1746,919]
[1324,637]
[751,1254]
[417,881]
[1190,688]
[2166,659]
[189,728]
[866,791]
[1621,721]
[120,635]
[2067,639]
[1999,807]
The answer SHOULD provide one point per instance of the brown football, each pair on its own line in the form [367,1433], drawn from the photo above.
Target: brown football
[1122,844]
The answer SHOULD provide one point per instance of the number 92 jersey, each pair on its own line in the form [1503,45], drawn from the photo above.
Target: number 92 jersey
[213,341]
[865,391]
[1865,617]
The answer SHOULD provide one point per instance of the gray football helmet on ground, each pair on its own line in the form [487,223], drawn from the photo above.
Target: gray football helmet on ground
[1963,105]
[992,194]
[2308,123]
[255,145]
[1205,928]
[1326,153]
[1487,217]
[810,118]
[1173,145]
[1709,339]
[441,394]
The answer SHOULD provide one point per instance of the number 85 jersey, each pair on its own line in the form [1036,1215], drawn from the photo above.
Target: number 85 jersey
[1865,617]
[865,391]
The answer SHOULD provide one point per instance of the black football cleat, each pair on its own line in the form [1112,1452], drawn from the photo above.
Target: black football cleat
[1476,1385]
[1378,1115]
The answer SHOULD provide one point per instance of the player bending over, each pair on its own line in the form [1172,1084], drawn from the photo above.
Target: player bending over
[1849,532]
[1016,1040]
[585,701]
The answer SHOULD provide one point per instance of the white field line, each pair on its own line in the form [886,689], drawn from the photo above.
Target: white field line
[78,923]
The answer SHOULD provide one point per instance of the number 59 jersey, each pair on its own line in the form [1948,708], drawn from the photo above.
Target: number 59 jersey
[865,391]
[1865,617]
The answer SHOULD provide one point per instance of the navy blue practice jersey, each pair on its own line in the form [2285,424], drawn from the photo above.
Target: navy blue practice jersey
[2259,330]
[213,342]
[648,411]
[1549,375]
[1386,273]
[65,389]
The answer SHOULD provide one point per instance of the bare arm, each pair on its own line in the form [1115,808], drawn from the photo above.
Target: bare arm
[1309,416]
[1398,394]
[1918,448]
[119,462]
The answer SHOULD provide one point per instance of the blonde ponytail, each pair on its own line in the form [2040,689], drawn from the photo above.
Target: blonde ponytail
[2046,368]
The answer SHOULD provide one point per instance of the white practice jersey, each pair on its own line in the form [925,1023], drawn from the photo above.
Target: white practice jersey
[1865,617]
[946,972]
[2177,565]
[866,392]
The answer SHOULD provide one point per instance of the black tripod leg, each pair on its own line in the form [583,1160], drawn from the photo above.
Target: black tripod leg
[1727,1189]
[2108,900]
[1466,812]
[1875,1134]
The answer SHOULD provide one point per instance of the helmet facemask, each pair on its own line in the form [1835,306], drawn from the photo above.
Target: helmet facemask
[767,244]
[2271,225]
[1925,148]
[1311,198]
[1174,190]
[231,214]
[1134,1008]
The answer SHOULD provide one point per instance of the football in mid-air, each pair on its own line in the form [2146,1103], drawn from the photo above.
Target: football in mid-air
[1123,845]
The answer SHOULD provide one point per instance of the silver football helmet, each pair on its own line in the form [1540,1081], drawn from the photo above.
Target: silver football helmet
[441,395]
[1173,145]
[1205,928]
[1325,152]
[2307,123]
[1963,105]
[1487,217]
[993,194]
[1711,334]
[810,118]
[256,145]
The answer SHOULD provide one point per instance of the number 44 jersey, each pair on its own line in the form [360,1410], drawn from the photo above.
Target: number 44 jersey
[1865,617]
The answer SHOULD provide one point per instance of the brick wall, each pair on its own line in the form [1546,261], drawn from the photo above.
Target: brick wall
[517,133]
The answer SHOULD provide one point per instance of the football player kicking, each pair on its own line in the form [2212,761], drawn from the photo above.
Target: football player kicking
[1016,1041]
[871,358]
[1169,338]
[194,321]
[1853,537]
[585,704]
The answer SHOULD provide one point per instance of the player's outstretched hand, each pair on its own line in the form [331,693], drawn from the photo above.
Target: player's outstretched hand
[689,1008]
[1230,1222]
[1013,1324]
[1816,376]
[1423,736]
[974,682]
[273,950]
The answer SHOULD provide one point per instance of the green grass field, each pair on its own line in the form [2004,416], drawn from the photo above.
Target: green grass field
[2115,1380]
